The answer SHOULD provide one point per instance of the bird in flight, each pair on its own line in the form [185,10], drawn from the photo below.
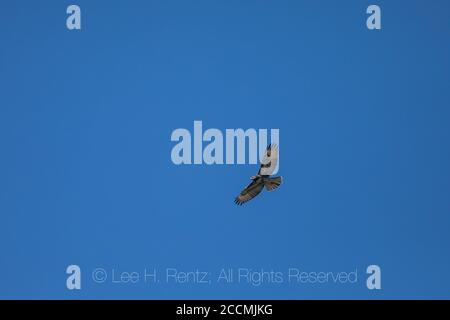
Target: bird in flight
[263,177]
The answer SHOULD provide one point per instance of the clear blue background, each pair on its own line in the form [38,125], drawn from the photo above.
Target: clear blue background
[86,116]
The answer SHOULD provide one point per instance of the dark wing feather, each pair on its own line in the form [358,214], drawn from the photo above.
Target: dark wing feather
[251,191]
[273,183]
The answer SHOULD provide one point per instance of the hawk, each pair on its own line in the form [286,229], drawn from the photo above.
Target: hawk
[263,177]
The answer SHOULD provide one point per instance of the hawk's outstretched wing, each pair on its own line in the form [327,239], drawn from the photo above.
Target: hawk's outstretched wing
[273,183]
[251,191]
[269,161]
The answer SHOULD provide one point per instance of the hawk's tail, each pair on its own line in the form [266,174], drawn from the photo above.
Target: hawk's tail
[273,183]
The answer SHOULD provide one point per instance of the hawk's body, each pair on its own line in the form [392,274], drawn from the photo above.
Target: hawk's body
[262,179]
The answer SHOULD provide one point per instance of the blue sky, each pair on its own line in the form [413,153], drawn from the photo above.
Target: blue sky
[86,117]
